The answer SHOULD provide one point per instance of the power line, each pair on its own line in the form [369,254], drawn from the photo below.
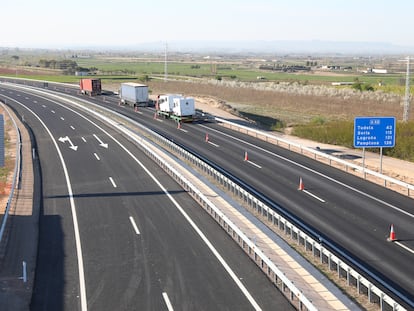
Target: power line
[407,92]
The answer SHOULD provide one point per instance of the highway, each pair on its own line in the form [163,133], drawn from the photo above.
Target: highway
[110,238]
[344,210]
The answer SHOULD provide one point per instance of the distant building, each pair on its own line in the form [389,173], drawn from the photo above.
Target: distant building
[375,70]
[379,70]
[81,73]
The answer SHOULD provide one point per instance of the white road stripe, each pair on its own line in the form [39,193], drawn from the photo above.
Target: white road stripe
[134,224]
[185,131]
[315,196]
[53,111]
[44,106]
[167,301]
[96,156]
[252,163]
[84,140]
[72,127]
[112,181]
[215,145]
[405,247]
[62,118]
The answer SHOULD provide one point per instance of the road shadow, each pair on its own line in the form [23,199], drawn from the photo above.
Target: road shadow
[338,153]
[115,194]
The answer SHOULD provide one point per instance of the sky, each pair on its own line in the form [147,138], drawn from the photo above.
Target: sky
[120,23]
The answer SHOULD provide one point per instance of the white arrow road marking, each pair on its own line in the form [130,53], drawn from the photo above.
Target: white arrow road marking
[134,225]
[101,143]
[65,139]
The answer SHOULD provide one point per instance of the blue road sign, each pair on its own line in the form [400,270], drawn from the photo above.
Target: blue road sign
[374,132]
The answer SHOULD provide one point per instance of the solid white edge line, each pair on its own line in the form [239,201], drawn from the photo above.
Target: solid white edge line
[131,219]
[112,181]
[167,301]
[405,247]
[82,286]
[96,156]
[313,195]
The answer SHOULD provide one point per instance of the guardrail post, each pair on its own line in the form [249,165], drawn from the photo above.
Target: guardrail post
[369,292]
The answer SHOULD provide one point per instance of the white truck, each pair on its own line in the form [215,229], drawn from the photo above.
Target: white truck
[176,107]
[134,94]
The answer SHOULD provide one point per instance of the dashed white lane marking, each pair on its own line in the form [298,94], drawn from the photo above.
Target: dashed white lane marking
[314,196]
[252,163]
[134,225]
[84,140]
[96,156]
[53,111]
[112,181]
[167,301]
[72,127]
[215,145]
[405,247]
[62,118]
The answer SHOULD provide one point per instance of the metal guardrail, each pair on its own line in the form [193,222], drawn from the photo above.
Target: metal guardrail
[16,174]
[329,158]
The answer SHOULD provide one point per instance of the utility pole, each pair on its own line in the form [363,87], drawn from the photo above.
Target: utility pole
[165,62]
[407,92]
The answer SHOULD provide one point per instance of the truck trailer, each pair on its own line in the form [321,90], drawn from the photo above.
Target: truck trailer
[134,94]
[176,107]
[90,87]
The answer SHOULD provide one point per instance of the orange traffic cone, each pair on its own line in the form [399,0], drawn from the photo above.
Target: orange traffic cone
[392,237]
[206,137]
[246,157]
[301,185]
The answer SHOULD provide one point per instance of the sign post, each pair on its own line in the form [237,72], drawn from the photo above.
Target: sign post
[374,132]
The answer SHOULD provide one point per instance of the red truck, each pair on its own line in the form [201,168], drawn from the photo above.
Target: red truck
[90,87]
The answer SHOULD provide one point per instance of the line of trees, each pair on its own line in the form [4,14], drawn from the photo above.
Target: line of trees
[68,66]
